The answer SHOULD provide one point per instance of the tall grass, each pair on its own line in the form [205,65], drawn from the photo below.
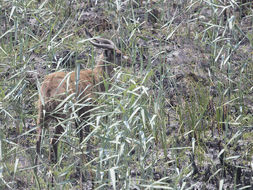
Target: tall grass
[177,118]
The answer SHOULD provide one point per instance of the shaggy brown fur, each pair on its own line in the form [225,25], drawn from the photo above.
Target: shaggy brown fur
[60,85]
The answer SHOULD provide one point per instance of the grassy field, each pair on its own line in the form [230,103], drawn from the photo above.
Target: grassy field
[179,117]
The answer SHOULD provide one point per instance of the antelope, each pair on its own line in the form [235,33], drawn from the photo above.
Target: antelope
[59,85]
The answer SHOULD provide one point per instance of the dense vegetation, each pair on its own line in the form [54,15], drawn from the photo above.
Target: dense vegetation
[180,117]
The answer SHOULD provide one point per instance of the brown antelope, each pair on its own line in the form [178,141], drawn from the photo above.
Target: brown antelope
[59,85]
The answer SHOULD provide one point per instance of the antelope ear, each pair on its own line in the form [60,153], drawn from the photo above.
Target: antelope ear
[106,53]
[109,52]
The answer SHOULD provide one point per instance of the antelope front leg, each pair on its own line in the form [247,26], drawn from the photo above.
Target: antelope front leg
[54,144]
[38,144]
